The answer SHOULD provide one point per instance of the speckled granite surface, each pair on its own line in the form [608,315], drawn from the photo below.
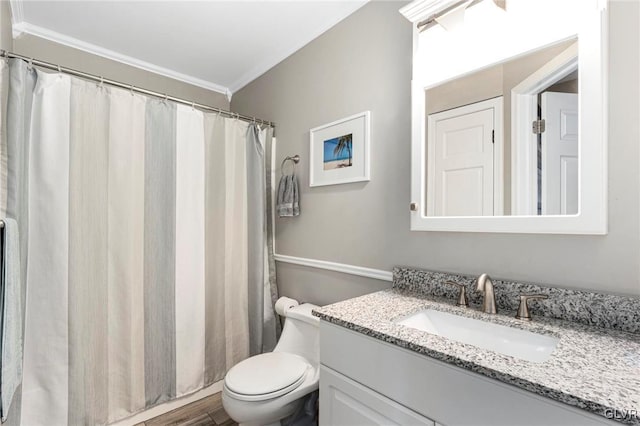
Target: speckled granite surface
[597,309]
[592,368]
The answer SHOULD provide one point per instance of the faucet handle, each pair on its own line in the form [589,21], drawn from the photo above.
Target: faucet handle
[523,308]
[462,295]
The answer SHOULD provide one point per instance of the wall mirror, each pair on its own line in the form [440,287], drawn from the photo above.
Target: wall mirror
[509,121]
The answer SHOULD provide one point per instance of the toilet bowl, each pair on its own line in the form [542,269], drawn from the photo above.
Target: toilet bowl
[266,388]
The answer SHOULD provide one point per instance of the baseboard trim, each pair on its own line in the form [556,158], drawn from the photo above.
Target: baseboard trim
[377,274]
[169,405]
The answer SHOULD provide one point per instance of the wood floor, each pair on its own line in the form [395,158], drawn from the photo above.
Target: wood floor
[204,412]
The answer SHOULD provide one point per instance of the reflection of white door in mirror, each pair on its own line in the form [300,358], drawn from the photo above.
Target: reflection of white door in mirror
[526,191]
[464,154]
[467,64]
[559,165]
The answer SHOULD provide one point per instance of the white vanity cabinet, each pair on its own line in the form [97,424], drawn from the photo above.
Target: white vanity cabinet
[346,402]
[365,381]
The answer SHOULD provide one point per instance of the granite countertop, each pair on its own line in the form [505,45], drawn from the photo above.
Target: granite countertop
[592,368]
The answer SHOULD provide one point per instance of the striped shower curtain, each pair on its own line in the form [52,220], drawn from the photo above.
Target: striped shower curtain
[145,244]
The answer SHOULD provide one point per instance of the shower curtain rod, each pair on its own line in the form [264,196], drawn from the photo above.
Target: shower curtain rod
[131,87]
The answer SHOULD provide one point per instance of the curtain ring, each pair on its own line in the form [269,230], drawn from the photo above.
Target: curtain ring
[193,106]
[30,64]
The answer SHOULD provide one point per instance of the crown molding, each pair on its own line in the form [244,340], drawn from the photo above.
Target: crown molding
[26,28]
[361,271]
[281,55]
[17,15]
[20,27]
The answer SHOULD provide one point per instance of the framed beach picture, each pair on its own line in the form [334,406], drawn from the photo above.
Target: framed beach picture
[339,151]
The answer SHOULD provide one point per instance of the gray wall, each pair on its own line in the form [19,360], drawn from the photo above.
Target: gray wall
[6,42]
[49,51]
[364,63]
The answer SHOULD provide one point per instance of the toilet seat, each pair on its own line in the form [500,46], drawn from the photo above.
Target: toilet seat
[266,376]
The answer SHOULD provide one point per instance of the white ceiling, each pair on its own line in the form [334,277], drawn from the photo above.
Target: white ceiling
[218,45]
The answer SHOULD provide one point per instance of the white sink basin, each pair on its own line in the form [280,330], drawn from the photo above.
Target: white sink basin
[499,338]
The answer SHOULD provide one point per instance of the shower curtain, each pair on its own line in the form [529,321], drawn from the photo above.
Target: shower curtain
[146,245]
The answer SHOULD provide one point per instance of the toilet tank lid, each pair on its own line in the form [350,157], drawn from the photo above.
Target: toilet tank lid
[303,313]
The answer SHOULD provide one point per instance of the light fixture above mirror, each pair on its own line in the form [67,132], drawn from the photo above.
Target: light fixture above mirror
[452,16]
[482,91]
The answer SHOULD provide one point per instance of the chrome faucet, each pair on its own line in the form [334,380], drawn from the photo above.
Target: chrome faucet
[485,286]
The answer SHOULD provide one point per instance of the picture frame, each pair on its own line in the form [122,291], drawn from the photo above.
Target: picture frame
[339,152]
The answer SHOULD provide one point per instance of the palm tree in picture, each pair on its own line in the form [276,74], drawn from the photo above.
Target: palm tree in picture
[344,143]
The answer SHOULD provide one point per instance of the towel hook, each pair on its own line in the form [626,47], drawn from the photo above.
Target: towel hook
[295,160]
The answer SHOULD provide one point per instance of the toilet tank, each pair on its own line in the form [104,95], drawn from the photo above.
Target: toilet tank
[300,334]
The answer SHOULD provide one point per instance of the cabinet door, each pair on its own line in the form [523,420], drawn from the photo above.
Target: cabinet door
[344,402]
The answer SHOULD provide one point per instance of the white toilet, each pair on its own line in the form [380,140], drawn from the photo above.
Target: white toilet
[266,388]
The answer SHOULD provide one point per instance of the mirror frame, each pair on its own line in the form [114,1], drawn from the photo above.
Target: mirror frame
[593,133]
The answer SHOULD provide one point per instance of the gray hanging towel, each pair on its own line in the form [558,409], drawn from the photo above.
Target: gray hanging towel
[10,317]
[288,202]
